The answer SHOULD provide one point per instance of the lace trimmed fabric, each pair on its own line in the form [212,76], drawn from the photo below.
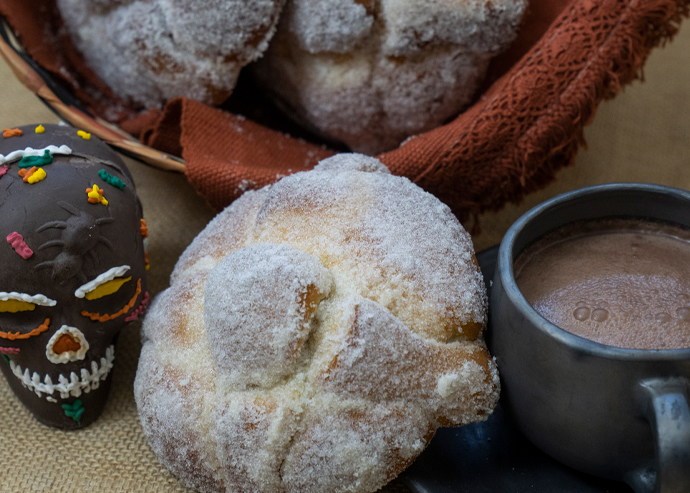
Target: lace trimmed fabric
[524,127]
[529,123]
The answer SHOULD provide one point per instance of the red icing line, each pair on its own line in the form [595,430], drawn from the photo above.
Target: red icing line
[17,242]
[9,350]
[140,309]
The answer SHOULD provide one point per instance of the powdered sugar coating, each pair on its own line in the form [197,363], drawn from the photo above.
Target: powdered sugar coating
[438,378]
[151,50]
[410,253]
[336,26]
[351,162]
[381,70]
[233,224]
[256,329]
[413,25]
[323,343]
[352,447]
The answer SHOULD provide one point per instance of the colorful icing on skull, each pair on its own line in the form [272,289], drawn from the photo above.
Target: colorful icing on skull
[72,272]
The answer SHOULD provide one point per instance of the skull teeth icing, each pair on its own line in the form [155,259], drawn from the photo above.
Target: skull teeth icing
[73,386]
[101,279]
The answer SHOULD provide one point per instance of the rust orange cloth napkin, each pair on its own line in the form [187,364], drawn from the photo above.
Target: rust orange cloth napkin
[526,125]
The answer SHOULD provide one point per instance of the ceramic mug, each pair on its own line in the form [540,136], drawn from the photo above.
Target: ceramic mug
[616,413]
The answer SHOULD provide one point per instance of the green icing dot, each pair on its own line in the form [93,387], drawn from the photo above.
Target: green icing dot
[6,358]
[29,161]
[111,180]
[74,410]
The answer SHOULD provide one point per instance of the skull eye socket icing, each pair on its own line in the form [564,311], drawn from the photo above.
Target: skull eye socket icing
[107,288]
[97,317]
[16,335]
[14,306]
[20,302]
[31,152]
[103,278]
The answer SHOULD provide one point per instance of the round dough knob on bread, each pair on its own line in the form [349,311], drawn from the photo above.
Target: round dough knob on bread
[256,329]
[315,335]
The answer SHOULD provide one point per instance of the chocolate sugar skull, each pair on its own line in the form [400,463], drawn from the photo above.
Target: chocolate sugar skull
[72,270]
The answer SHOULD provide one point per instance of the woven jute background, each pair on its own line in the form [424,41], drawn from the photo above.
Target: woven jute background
[642,135]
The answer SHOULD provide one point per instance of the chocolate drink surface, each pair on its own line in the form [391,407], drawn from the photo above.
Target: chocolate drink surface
[619,282]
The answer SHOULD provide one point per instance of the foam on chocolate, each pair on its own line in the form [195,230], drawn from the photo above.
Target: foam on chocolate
[624,283]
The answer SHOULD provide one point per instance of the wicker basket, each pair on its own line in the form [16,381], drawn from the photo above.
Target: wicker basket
[68,107]
[525,126]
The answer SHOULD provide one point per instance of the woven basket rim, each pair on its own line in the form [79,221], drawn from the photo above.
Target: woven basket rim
[69,108]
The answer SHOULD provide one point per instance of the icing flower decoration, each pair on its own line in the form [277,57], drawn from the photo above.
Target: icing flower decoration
[144,230]
[96,195]
[134,315]
[19,245]
[74,410]
[111,180]
[84,135]
[40,129]
[12,132]
[32,175]
[33,160]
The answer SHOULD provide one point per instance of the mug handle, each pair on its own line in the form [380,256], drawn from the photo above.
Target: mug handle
[665,404]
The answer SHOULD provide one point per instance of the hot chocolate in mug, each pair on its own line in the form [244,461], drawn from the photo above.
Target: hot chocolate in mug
[613,412]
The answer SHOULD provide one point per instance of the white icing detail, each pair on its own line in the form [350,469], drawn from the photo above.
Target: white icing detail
[108,275]
[37,299]
[30,151]
[74,386]
[67,356]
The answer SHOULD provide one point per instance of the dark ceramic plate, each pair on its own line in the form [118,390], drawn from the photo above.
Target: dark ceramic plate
[493,456]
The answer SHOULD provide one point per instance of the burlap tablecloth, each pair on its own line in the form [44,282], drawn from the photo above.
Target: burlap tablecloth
[643,135]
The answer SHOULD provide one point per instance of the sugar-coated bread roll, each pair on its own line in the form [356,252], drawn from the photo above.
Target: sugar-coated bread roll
[315,335]
[371,73]
[151,50]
